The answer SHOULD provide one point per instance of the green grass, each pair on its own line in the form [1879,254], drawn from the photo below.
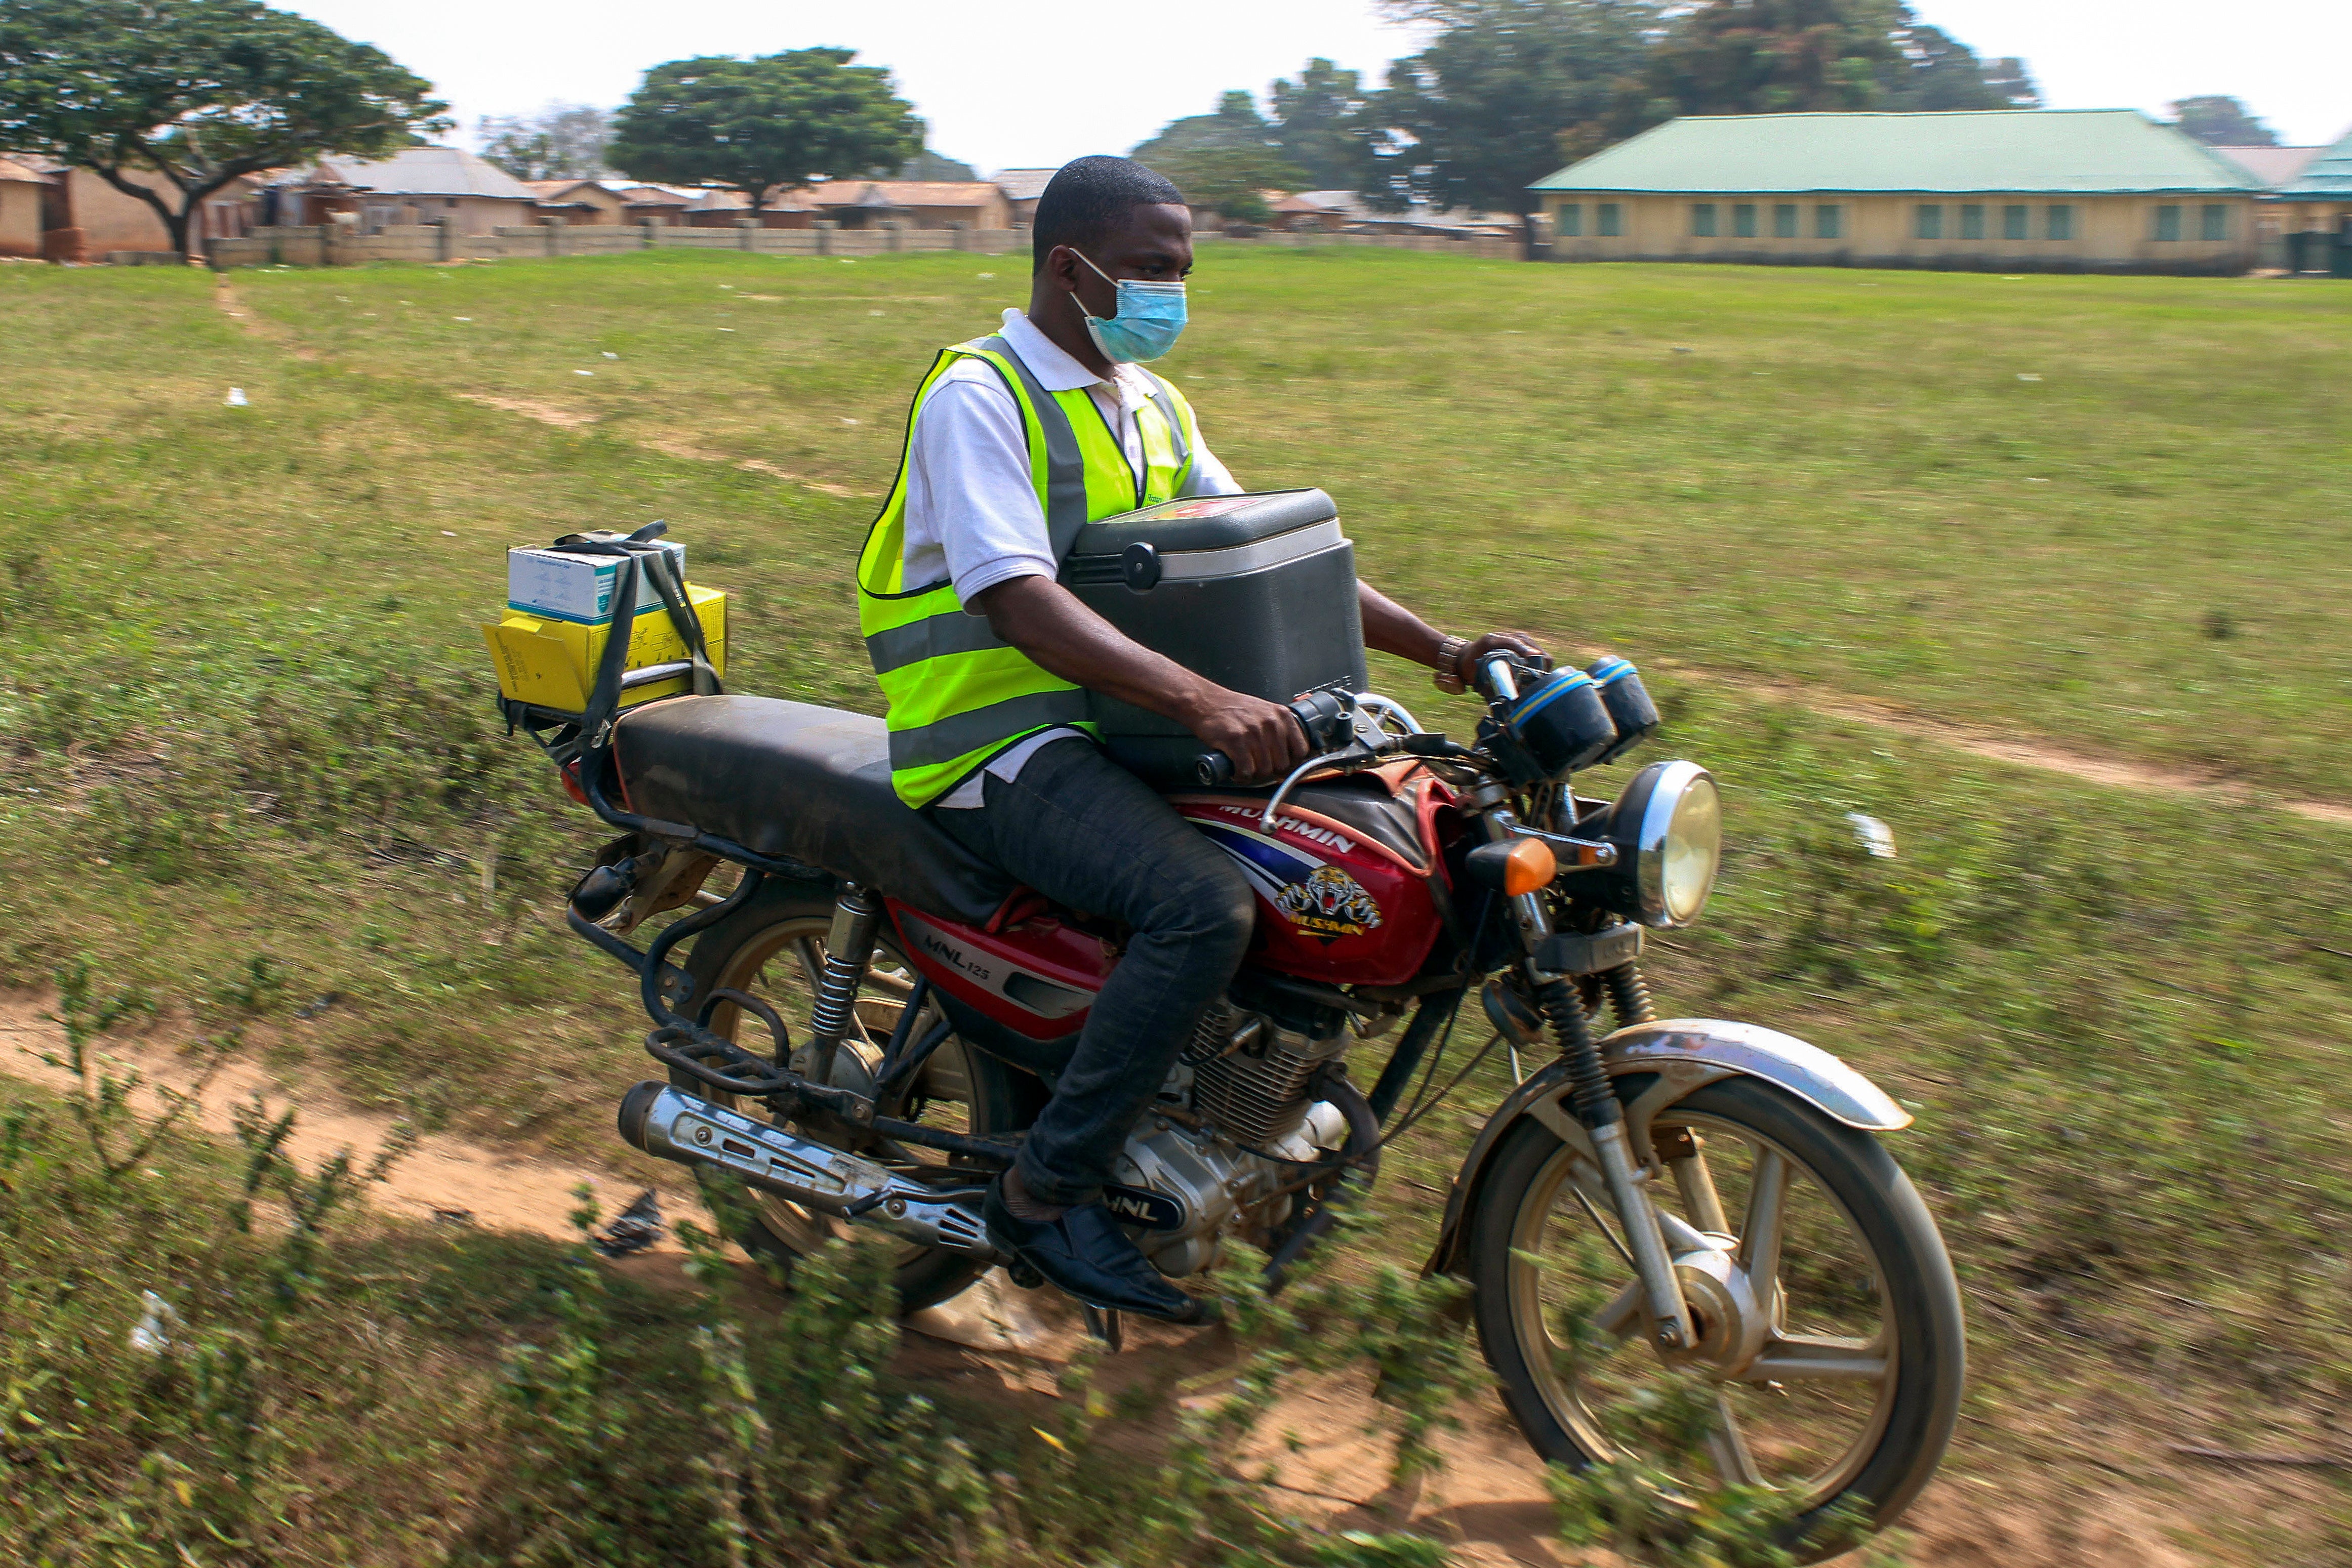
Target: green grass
[247,708]
[1828,477]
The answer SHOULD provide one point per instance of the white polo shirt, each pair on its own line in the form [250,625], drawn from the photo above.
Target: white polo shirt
[973,513]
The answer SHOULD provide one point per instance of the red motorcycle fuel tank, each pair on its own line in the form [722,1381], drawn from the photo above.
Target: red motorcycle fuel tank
[1343,881]
[1342,877]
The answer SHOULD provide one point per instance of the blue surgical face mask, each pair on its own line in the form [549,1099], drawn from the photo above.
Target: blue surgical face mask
[1150,318]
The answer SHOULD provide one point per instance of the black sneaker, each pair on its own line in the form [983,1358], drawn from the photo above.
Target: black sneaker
[1086,1253]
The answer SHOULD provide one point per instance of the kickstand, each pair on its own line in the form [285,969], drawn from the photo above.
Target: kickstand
[1102,1323]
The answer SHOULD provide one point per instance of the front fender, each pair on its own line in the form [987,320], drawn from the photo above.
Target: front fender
[1685,1055]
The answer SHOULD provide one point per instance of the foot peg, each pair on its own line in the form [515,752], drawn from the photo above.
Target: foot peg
[1104,1324]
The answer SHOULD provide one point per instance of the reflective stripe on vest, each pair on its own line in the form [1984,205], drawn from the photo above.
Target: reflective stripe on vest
[958,693]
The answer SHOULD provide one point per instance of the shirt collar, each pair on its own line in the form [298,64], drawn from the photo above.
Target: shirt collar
[1056,372]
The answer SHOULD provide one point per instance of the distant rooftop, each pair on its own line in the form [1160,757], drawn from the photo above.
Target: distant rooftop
[2270,165]
[12,170]
[426,172]
[2075,151]
[898,192]
[2326,178]
[1025,185]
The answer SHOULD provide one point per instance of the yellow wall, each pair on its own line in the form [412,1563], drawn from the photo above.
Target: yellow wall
[1877,230]
[20,218]
[108,220]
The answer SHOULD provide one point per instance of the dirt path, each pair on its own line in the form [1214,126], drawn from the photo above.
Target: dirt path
[1490,1501]
[447,1179]
[1997,746]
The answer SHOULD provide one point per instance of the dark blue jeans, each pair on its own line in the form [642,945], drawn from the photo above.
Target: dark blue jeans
[1087,833]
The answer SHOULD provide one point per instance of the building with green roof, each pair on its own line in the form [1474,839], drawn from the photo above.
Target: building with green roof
[2009,190]
[2314,211]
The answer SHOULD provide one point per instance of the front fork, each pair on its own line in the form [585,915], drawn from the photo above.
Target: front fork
[1603,1118]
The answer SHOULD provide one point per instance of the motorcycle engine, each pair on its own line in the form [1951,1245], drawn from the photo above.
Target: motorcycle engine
[1238,1094]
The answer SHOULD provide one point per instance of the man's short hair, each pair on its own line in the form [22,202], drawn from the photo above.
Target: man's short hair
[1088,198]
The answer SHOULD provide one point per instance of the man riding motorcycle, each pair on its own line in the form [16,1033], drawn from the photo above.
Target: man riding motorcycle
[1016,440]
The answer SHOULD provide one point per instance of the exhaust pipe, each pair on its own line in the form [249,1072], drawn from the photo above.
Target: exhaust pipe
[674,1125]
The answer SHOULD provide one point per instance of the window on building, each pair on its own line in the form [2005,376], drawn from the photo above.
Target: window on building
[2058,222]
[1567,220]
[1743,219]
[450,202]
[1612,219]
[2213,221]
[2012,222]
[1972,221]
[1928,221]
[1784,220]
[2168,220]
[1703,219]
[1829,220]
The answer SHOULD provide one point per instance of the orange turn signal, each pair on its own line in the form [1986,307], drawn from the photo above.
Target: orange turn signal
[1530,866]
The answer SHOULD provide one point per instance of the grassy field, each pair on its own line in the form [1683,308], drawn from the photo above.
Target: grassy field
[247,718]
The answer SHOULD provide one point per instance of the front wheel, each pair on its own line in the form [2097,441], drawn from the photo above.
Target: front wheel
[1830,1351]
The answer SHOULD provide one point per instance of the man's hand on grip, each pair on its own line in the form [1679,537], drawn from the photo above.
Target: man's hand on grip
[1263,738]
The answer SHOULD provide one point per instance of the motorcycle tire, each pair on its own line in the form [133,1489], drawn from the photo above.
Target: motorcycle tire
[1001,1098]
[1917,1298]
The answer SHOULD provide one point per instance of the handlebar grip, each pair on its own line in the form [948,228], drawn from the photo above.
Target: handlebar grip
[1322,720]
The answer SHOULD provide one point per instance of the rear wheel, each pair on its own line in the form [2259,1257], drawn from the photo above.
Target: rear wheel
[1830,1353]
[773,948]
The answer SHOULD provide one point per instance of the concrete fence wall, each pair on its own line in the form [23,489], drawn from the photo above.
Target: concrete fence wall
[330,245]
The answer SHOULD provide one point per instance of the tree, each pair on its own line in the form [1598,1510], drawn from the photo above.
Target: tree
[1318,125]
[1232,180]
[2219,121]
[768,122]
[196,93]
[1504,93]
[562,141]
[2007,76]
[1235,124]
[929,165]
[1774,56]
[1937,71]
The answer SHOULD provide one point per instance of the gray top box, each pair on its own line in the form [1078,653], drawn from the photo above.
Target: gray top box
[1256,592]
[1206,522]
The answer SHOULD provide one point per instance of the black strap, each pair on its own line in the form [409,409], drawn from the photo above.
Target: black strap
[590,737]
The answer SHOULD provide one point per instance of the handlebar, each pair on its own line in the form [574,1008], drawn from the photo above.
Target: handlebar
[1323,718]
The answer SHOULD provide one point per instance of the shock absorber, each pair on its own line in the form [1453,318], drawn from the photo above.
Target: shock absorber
[1603,1118]
[1630,994]
[848,948]
[1571,1031]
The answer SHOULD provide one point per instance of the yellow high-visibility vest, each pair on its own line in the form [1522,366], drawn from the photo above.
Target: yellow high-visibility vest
[958,693]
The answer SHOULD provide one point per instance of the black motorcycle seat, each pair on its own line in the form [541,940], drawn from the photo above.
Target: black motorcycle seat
[804,783]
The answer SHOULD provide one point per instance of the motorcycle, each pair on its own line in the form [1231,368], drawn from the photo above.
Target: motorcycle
[864,1024]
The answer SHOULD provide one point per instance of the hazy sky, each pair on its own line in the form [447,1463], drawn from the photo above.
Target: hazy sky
[1022,83]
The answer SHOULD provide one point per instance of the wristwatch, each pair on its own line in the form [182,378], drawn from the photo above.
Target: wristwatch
[1448,676]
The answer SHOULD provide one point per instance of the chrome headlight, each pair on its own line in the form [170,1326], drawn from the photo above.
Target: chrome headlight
[1669,830]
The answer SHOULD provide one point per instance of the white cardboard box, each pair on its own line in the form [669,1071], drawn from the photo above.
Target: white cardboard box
[570,586]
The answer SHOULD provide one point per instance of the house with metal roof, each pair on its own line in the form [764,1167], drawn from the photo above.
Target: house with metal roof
[918,204]
[2006,189]
[414,185]
[2316,212]
[1022,189]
